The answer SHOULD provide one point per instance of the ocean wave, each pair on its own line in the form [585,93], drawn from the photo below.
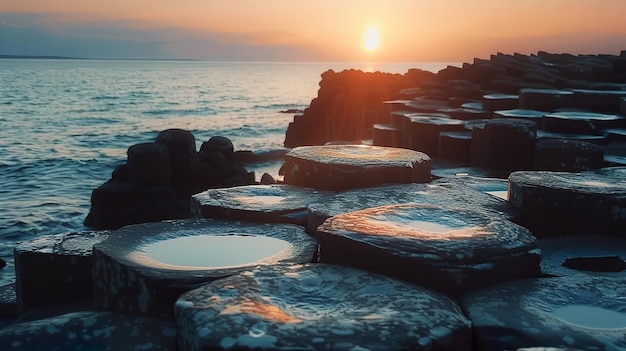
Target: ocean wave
[181,112]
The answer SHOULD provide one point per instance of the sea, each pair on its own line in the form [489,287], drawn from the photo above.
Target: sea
[65,124]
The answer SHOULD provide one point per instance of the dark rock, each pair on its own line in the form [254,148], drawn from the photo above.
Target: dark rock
[545,99]
[55,269]
[466,114]
[567,155]
[120,173]
[149,164]
[582,312]
[450,249]
[530,115]
[8,302]
[505,144]
[590,255]
[560,203]
[455,146]
[144,268]
[496,102]
[318,307]
[267,179]
[596,139]
[219,144]
[183,159]
[606,101]
[342,167]
[91,331]
[387,135]
[580,122]
[277,203]
[108,204]
[423,132]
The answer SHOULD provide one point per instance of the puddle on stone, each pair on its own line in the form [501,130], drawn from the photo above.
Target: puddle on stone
[267,199]
[212,251]
[590,317]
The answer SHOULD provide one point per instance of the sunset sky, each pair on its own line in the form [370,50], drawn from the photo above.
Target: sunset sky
[310,30]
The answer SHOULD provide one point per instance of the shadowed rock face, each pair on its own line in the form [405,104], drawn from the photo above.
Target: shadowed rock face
[579,311]
[342,167]
[143,268]
[449,249]
[104,331]
[558,203]
[317,306]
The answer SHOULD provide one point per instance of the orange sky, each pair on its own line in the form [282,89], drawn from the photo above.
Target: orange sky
[410,30]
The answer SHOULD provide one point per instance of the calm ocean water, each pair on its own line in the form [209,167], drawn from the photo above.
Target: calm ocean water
[66,124]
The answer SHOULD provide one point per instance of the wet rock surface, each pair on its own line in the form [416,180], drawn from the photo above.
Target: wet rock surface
[55,268]
[582,312]
[276,203]
[589,255]
[440,192]
[90,331]
[567,155]
[342,167]
[449,249]
[144,268]
[318,307]
[557,203]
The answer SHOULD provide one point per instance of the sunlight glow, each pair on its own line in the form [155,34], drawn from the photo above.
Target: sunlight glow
[371,38]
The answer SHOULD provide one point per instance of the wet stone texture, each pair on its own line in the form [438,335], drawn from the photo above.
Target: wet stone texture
[449,249]
[561,203]
[528,115]
[583,312]
[318,307]
[440,192]
[144,268]
[580,122]
[276,203]
[590,255]
[103,331]
[343,167]
[503,143]
[55,268]
[567,155]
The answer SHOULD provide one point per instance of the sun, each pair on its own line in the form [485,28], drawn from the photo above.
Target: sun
[371,38]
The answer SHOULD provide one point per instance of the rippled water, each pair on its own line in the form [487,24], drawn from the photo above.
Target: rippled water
[67,123]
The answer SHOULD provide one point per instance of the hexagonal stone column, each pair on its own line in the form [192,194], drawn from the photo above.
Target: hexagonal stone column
[545,99]
[342,167]
[144,268]
[276,203]
[449,249]
[583,312]
[567,155]
[55,269]
[318,307]
[580,122]
[504,144]
[563,203]
[424,132]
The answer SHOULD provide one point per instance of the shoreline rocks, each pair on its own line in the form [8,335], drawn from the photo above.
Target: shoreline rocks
[424,220]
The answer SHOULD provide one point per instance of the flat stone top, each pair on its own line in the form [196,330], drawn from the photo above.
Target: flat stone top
[314,305]
[434,233]
[545,91]
[500,97]
[617,93]
[70,244]
[435,120]
[520,113]
[358,155]
[207,246]
[584,182]
[261,198]
[439,192]
[542,134]
[385,126]
[585,116]
[507,122]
